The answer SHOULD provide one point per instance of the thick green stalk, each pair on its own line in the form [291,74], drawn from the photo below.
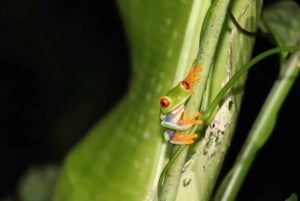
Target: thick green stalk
[209,37]
[233,50]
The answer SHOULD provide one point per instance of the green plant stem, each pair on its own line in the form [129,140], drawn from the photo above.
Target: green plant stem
[209,38]
[169,176]
[261,130]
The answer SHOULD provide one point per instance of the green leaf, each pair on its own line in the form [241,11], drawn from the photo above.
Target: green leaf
[123,155]
[281,19]
[293,197]
[37,183]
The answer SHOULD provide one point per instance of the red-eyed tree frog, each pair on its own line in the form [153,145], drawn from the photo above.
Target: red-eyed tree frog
[173,114]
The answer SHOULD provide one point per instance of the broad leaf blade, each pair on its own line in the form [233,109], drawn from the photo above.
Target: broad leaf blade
[282,21]
[122,155]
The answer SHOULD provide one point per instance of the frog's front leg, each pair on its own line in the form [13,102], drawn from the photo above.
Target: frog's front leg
[190,120]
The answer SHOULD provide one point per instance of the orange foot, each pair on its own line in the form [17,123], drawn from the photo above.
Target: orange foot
[178,138]
[191,77]
[192,120]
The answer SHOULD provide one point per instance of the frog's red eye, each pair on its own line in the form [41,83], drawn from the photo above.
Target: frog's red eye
[185,84]
[164,102]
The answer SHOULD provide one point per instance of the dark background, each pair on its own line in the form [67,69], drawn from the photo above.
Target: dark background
[56,58]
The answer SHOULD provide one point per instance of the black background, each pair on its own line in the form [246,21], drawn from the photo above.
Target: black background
[55,59]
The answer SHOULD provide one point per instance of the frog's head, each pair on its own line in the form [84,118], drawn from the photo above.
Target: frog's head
[176,97]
